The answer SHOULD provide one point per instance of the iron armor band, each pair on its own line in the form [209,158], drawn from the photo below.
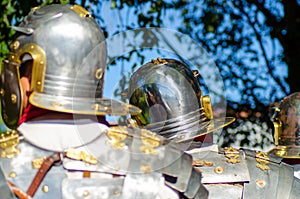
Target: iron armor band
[233,173]
[80,175]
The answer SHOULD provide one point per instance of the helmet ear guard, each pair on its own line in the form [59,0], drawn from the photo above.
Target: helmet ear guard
[277,126]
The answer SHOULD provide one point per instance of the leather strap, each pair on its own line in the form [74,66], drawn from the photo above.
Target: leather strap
[18,192]
[46,165]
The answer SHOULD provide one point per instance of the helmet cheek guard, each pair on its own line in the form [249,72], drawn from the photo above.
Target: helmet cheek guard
[286,121]
[11,94]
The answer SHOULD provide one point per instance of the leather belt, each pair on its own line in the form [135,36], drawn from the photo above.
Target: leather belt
[46,165]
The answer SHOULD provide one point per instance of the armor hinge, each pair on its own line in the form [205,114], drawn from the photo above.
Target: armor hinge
[232,155]
[8,143]
[262,160]
[202,163]
[117,136]
[81,155]
[150,141]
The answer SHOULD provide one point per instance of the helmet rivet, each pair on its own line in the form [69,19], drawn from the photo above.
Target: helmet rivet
[13,98]
[99,73]
[2,92]
[196,73]
[41,62]
[96,107]
[16,45]
[56,104]
[34,8]
[38,83]
[32,46]
[219,170]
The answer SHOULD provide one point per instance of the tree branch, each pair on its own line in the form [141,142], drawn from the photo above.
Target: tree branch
[259,39]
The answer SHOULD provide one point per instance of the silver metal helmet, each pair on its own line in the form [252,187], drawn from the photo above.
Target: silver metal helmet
[286,120]
[169,95]
[68,53]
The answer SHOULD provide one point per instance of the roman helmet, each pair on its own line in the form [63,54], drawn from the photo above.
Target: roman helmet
[286,120]
[68,53]
[169,95]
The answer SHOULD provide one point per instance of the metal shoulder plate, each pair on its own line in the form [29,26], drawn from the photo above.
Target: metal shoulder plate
[4,188]
[224,172]
[142,158]
[270,178]
[119,164]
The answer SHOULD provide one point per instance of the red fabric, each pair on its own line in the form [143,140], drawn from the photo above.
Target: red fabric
[204,138]
[31,112]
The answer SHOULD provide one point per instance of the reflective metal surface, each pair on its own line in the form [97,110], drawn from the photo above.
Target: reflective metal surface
[168,93]
[286,122]
[68,53]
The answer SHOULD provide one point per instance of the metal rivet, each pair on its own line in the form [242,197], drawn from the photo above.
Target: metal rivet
[180,136]
[12,174]
[196,73]
[86,193]
[99,73]
[34,8]
[16,45]
[260,183]
[13,98]
[45,188]
[38,83]
[56,104]
[41,62]
[146,168]
[32,47]
[219,170]
[96,107]
[117,192]
[2,92]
